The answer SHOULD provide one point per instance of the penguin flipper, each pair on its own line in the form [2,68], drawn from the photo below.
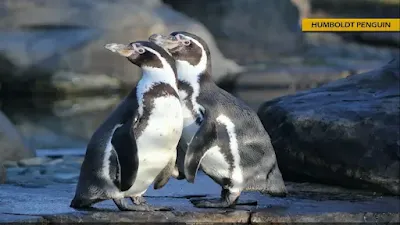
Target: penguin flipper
[163,177]
[275,185]
[124,143]
[180,160]
[200,144]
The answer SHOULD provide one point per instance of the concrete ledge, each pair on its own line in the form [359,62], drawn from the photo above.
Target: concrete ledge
[217,217]
[306,203]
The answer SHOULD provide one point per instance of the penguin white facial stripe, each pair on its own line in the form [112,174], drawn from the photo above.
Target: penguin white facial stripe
[107,155]
[152,76]
[237,174]
[190,74]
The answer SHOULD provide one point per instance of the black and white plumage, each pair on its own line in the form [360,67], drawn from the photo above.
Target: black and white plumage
[136,145]
[223,135]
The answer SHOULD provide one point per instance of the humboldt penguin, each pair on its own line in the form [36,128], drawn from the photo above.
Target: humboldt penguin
[224,136]
[136,145]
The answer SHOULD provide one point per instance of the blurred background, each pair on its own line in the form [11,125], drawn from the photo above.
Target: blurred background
[58,83]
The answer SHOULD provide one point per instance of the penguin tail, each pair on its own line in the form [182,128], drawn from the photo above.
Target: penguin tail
[275,186]
[80,203]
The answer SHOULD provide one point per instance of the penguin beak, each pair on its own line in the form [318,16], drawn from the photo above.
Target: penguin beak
[123,50]
[166,42]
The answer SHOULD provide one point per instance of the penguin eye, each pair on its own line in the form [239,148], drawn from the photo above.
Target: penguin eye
[141,50]
[181,38]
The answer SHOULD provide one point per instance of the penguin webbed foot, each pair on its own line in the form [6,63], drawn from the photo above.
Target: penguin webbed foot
[138,200]
[228,200]
[124,206]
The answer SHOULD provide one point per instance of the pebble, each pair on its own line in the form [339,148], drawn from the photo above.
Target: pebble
[37,161]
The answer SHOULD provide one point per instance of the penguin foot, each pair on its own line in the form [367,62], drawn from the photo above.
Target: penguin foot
[212,203]
[228,200]
[124,206]
[138,200]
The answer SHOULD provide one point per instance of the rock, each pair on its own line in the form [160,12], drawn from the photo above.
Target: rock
[37,161]
[55,161]
[258,86]
[21,219]
[343,133]
[34,57]
[3,174]
[379,38]
[304,203]
[267,218]
[248,28]
[12,145]
[234,217]
[8,164]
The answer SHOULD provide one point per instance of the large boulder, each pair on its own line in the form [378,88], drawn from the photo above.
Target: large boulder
[58,45]
[12,145]
[344,133]
[246,28]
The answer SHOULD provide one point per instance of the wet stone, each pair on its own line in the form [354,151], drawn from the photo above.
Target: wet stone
[47,190]
[7,218]
[235,217]
[33,161]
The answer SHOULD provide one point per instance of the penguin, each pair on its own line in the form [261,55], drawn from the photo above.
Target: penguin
[136,145]
[222,135]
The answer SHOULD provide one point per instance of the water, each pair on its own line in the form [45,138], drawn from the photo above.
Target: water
[59,124]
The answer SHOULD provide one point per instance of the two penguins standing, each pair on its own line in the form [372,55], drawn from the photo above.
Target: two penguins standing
[175,121]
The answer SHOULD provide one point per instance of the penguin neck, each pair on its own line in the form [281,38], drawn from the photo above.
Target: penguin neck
[152,76]
[158,75]
[194,76]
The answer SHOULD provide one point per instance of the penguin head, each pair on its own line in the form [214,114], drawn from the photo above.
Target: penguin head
[186,48]
[143,54]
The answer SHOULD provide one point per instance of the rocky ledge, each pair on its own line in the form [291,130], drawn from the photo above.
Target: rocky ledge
[39,190]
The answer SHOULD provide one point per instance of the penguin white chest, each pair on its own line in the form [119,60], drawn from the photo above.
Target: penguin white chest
[158,141]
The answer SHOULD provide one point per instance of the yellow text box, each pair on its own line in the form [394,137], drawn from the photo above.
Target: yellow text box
[350,25]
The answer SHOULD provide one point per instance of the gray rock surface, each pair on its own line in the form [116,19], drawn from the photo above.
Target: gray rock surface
[3,174]
[344,133]
[41,196]
[248,27]
[12,144]
[58,45]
